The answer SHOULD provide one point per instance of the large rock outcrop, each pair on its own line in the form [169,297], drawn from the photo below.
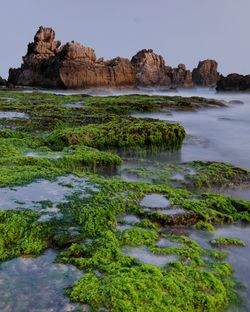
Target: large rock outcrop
[150,69]
[206,74]
[71,66]
[234,82]
[48,64]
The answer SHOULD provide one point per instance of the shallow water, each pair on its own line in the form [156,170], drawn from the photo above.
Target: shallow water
[34,195]
[129,219]
[155,201]
[45,155]
[74,105]
[163,242]
[237,256]
[145,256]
[216,134]
[36,285]
[12,115]
[173,212]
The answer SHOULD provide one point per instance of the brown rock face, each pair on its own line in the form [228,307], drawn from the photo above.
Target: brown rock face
[150,69]
[48,64]
[180,77]
[234,82]
[206,74]
[71,66]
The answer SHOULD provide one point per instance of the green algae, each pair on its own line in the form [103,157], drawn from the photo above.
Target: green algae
[22,234]
[113,280]
[148,288]
[204,226]
[195,176]
[216,175]
[45,110]
[126,133]
[228,241]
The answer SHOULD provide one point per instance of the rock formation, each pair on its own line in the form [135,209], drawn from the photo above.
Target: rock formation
[48,64]
[150,69]
[180,77]
[71,66]
[234,82]
[2,81]
[206,74]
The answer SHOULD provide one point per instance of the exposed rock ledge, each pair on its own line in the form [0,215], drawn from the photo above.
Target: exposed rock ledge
[48,64]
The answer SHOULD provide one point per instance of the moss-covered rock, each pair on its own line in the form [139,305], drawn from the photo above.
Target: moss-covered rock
[126,133]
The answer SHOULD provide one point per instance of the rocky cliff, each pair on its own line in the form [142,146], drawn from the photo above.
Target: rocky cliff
[48,64]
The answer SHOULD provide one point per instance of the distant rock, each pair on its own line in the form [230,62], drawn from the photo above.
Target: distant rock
[234,82]
[71,66]
[150,69]
[2,81]
[206,74]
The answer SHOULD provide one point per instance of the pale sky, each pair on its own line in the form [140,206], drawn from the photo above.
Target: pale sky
[182,31]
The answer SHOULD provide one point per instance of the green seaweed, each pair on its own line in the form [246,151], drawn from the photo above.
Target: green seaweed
[126,133]
[228,241]
[22,234]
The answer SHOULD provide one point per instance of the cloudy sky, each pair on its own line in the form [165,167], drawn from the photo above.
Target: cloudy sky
[183,31]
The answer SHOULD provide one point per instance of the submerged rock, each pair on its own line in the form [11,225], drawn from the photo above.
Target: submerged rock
[233,82]
[206,74]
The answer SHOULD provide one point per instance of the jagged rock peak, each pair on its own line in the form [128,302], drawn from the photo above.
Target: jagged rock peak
[150,68]
[206,73]
[44,42]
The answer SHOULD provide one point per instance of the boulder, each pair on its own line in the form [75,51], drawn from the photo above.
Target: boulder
[206,74]
[150,69]
[234,82]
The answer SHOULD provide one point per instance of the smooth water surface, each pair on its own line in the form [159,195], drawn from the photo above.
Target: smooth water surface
[36,194]
[145,256]
[36,285]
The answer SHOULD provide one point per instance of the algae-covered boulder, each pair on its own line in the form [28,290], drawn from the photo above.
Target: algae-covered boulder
[136,133]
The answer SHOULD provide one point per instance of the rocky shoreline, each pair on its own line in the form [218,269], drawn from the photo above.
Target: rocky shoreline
[74,66]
